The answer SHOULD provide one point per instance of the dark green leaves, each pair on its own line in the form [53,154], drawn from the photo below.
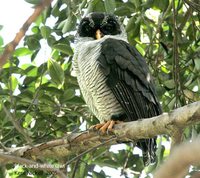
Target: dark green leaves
[110,6]
[45,31]
[56,72]
[69,24]
[33,42]
[64,48]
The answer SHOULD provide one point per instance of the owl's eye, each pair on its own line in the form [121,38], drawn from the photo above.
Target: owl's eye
[109,27]
[86,26]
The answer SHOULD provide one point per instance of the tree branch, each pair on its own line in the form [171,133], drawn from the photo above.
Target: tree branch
[17,126]
[173,168]
[193,4]
[12,45]
[172,123]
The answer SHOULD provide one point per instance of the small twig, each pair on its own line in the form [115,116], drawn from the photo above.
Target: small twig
[91,149]
[157,31]
[176,66]
[3,147]
[195,6]
[17,126]
[12,45]
[75,168]
[32,164]
[34,97]
[125,164]
[185,19]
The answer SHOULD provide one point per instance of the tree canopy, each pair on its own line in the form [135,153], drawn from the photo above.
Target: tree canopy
[40,100]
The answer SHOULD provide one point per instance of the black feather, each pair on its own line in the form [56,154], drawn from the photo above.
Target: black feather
[129,79]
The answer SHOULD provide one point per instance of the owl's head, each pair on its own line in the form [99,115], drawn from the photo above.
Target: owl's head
[96,25]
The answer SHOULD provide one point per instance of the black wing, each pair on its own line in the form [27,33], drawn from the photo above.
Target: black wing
[129,79]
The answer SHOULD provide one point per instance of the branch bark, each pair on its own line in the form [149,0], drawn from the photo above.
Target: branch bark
[173,168]
[172,123]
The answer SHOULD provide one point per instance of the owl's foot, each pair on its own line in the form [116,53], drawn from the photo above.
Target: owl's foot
[105,127]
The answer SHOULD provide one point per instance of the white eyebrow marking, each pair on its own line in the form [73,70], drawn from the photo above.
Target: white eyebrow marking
[91,22]
[105,19]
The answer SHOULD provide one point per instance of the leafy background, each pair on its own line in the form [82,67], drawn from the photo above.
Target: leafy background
[43,97]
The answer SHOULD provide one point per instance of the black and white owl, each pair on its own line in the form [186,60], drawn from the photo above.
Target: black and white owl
[113,76]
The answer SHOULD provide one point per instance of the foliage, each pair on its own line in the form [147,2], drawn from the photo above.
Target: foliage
[43,97]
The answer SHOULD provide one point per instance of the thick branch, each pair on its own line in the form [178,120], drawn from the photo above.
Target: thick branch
[12,45]
[75,143]
[167,123]
[177,165]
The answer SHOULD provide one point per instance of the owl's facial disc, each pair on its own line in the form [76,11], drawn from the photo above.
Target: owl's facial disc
[96,25]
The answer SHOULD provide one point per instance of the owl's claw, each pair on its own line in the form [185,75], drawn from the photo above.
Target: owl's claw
[105,127]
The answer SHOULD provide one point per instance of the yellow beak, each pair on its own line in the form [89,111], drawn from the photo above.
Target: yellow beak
[99,34]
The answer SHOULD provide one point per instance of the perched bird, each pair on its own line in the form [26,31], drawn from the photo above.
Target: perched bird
[113,76]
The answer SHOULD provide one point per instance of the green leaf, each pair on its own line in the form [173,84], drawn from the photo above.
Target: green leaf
[33,1]
[110,6]
[162,5]
[69,24]
[123,11]
[33,42]
[13,82]
[96,6]
[137,3]
[65,48]
[68,94]
[1,41]
[1,26]
[31,71]
[22,52]
[130,24]
[35,29]
[133,27]
[56,72]
[197,64]
[169,84]
[51,40]
[45,31]
[55,10]
[27,121]
[140,49]
[28,80]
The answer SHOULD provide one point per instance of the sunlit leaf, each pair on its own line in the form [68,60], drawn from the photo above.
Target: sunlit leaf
[1,41]
[22,52]
[13,82]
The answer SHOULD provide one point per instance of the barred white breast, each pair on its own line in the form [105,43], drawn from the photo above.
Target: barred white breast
[91,80]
